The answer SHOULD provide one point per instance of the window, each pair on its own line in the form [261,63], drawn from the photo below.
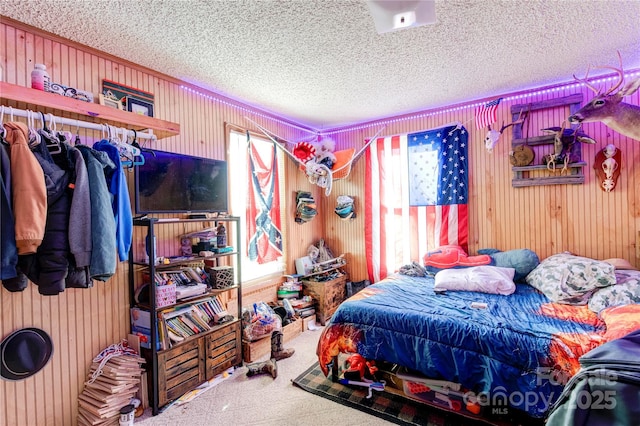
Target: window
[255,196]
[416,192]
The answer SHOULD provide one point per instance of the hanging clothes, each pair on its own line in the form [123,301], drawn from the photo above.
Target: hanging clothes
[49,266]
[28,190]
[121,206]
[70,159]
[103,227]
[8,248]
[80,220]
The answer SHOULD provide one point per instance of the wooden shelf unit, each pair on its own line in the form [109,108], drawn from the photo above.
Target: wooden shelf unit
[199,357]
[89,111]
[575,174]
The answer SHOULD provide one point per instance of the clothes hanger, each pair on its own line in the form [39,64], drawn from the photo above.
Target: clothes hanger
[137,145]
[125,150]
[3,131]
[53,143]
[34,137]
[77,141]
[138,158]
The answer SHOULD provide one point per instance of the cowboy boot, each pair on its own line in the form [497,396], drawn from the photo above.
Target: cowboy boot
[277,351]
[264,367]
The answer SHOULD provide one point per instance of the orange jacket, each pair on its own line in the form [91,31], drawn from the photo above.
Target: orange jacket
[29,193]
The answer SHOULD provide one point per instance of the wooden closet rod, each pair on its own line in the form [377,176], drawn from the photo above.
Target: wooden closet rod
[10,112]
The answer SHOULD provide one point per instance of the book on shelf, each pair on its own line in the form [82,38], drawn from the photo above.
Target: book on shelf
[177,324]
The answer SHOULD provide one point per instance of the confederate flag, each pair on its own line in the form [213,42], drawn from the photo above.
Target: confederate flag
[264,239]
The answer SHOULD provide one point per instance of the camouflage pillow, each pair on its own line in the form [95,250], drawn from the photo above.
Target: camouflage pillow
[569,279]
[625,292]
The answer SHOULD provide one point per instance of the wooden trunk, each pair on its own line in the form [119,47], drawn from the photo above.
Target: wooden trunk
[327,294]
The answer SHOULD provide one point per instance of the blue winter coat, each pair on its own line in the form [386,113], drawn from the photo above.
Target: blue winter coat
[120,199]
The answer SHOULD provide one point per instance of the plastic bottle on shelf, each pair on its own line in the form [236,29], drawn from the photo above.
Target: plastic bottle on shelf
[40,78]
[221,236]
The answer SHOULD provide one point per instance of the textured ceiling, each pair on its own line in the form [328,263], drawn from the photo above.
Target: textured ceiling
[321,62]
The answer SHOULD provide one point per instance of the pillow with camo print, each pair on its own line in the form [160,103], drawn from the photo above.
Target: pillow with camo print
[624,292]
[569,279]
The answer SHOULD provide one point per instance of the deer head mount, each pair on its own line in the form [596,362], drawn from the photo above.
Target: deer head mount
[608,107]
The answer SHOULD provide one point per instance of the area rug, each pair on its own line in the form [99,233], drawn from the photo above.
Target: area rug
[392,407]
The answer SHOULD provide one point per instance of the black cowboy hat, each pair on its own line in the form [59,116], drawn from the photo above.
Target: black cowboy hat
[24,352]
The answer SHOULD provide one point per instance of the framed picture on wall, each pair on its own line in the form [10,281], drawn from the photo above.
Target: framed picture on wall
[122,92]
[139,107]
[107,101]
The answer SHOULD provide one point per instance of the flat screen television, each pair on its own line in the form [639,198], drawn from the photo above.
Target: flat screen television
[178,183]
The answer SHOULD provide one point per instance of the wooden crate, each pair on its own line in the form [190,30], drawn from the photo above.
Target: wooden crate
[254,350]
[327,294]
[186,365]
[179,370]
[223,349]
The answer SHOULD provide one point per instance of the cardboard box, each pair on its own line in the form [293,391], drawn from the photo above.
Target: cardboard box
[254,350]
[141,327]
[306,321]
[448,395]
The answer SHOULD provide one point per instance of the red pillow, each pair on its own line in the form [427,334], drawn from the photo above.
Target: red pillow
[452,256]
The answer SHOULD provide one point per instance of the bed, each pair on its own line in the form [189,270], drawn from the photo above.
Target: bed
[522,347]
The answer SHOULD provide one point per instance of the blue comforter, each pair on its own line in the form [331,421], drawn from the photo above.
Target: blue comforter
[521,349]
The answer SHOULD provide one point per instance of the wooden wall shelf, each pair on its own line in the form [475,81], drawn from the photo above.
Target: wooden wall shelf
[543,167]
[99,113]
[574,175]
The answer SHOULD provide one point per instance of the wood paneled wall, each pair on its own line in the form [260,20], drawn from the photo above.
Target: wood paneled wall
[546,219]
[581,219]
[82,322]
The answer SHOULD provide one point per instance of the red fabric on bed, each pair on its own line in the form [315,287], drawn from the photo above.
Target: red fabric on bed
[451,256]
[621,320]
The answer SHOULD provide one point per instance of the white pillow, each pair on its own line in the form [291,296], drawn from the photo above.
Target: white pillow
[484,279]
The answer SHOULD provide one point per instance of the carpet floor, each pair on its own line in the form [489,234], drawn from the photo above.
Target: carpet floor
[262,400]
[299,396]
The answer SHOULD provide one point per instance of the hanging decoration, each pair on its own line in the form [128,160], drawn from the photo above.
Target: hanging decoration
[607,167]
[306,155]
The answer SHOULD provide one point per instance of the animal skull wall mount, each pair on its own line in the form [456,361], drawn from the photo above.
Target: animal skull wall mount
[491,140]
[607,167]
[566,147]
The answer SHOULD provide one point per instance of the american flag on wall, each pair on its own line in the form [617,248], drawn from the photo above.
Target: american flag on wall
[264,238]
[487,114]
[412,210]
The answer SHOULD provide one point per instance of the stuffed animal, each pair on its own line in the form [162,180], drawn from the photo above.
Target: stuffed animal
[324,152]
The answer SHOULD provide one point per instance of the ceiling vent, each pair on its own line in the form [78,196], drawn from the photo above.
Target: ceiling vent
[395,15]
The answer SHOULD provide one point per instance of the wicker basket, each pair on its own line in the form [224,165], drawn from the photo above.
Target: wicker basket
[221,276]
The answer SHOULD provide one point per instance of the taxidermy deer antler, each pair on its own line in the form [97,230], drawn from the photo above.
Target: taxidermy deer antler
[491,139]
[518,121]
[608,107]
